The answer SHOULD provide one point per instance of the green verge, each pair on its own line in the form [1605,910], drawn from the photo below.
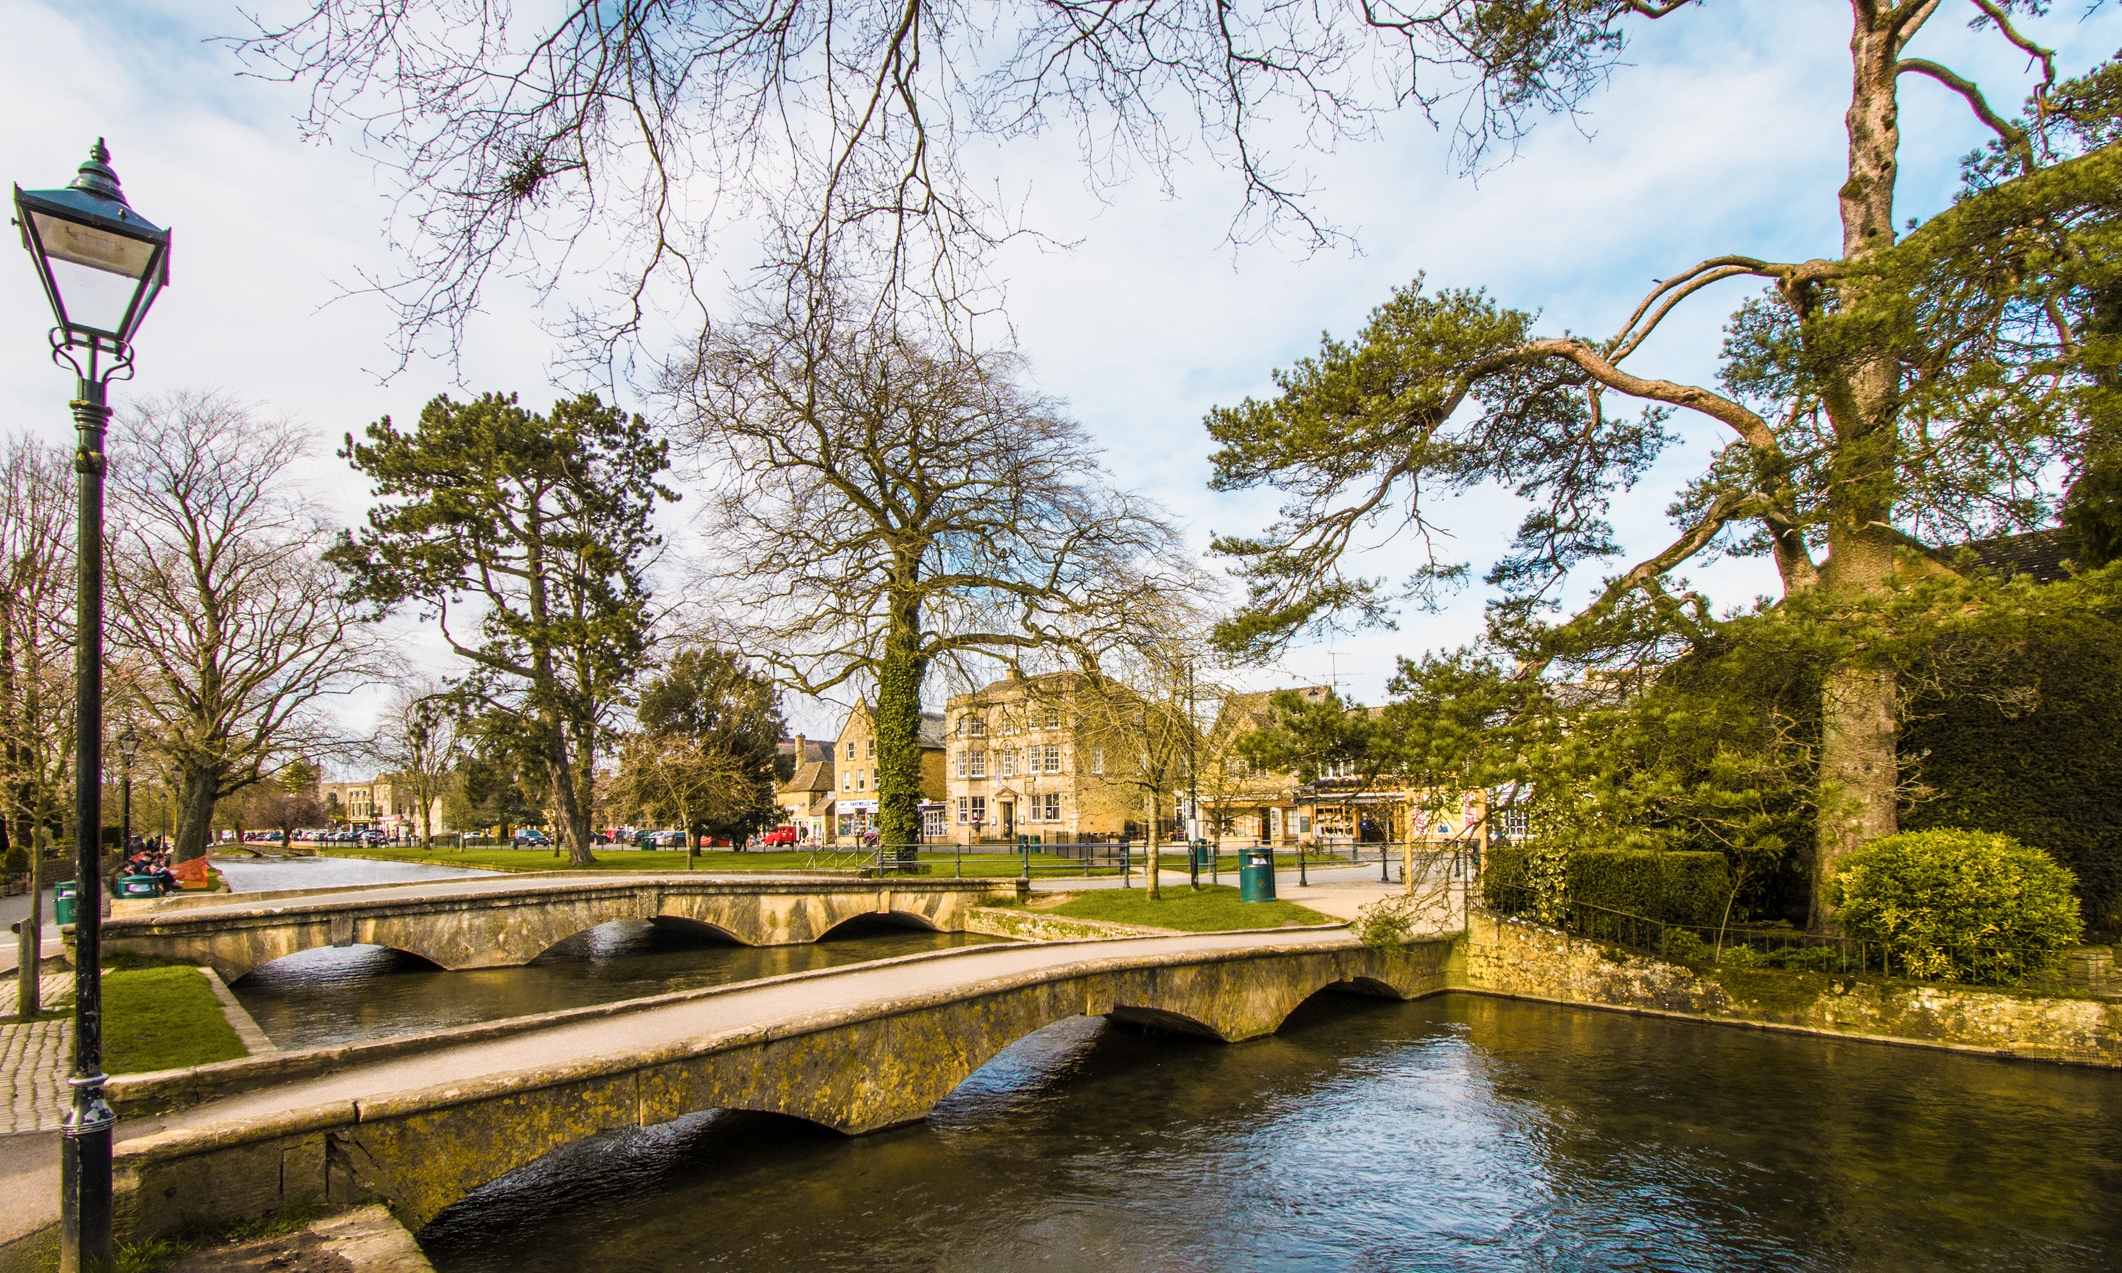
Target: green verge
[164,1018]
[1214,909]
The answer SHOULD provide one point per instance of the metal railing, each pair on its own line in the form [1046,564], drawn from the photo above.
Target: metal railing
[1749,945]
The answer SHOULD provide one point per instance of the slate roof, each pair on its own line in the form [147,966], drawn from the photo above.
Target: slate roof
[2037,554]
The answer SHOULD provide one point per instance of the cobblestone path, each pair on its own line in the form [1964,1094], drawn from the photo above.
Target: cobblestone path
[33,1060]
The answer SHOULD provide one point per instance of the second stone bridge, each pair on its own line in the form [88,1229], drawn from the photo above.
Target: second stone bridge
[489,923]
[419,1123]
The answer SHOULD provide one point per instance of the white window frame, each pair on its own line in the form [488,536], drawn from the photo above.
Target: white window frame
[979,765]
[1097,760]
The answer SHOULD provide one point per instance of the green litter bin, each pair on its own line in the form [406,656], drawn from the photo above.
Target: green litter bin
[139,886]
[1256,875]
[63,902]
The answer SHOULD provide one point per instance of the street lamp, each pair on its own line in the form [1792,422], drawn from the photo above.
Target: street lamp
[102,266]
[128,748]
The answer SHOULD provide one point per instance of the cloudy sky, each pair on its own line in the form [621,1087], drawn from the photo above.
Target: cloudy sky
[1723,135]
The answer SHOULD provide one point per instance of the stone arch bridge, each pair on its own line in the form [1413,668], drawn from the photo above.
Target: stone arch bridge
[420,1123]
[488,923]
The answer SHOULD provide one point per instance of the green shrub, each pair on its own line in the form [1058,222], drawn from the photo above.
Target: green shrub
[1676,887]
[1683,945]
[1740,957]
[1957,905]
[16,861]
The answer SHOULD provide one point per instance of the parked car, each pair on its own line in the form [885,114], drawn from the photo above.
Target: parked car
[780,837]
[531,838]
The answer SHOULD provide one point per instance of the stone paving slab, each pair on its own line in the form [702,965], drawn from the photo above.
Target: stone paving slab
[34,1058]
[51,987]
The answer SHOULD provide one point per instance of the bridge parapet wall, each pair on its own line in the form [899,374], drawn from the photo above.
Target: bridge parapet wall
[859,1070]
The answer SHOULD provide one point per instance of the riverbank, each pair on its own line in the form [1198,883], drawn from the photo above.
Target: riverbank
[1517,959]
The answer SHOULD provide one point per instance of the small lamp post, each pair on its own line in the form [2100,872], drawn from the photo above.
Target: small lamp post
[128,748]
[102,265]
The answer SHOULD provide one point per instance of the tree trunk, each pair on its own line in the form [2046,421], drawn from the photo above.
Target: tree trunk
[897,722]
[195,812]
[1151,885]
[1858,766]
[573,779]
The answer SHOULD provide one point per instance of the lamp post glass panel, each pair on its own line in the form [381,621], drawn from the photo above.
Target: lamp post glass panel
[102,265]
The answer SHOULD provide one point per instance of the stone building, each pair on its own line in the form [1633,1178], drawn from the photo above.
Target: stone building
[855,769]
[806,798]
[1026,759]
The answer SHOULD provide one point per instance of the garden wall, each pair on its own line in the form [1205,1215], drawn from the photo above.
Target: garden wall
[1520,960]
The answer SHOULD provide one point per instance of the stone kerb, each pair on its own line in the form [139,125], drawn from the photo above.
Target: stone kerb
[879,1065]
[514,926]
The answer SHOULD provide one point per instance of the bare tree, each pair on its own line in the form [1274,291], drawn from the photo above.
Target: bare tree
[883,504]
[637,129]
[418,746]
[36,639]
[221,599]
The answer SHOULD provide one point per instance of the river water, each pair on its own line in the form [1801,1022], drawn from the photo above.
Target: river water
[1451,1133]
[1456,1133]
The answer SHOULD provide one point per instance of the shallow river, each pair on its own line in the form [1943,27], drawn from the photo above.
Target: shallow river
[1451,1133]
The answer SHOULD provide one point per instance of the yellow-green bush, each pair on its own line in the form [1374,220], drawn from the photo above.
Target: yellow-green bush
[1957,905]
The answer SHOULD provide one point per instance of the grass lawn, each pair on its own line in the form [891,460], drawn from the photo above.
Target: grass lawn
[1215,908]
[161,1018]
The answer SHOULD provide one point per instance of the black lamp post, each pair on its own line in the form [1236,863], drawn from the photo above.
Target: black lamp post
[102,265]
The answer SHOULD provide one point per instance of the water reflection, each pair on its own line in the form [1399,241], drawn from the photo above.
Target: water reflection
[339,995]
[1454,1133]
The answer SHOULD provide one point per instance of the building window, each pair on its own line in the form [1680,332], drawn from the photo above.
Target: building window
[1052,719]
[1053,806]
[961,809]
[861,778]
[961,764]
[979,765]
[1009,763]
[847,780]
[1339,768]
[1097,760]
[980,808]
[932,823]
[1052,763]
[978,725]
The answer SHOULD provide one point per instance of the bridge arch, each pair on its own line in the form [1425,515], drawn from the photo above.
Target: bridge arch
[867,923]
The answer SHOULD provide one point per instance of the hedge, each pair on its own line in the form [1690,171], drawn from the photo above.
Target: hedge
[2031,747]
[1675,887]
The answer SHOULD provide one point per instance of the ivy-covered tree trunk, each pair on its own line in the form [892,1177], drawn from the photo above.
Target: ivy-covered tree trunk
[897,721]
[1858,769]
